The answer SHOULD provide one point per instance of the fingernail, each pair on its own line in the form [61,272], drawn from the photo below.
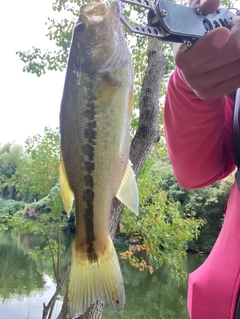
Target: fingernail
[220,38]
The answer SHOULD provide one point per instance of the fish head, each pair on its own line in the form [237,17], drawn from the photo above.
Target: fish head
[98,33]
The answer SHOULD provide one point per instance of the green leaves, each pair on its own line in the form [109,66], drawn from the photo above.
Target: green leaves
[59,32]
[10,206]
[38,173]
[10,156]
[38,62]
[161,230]
[36,176]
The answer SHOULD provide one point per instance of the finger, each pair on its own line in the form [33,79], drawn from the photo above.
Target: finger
[235,22]
[220,89]
[194,3]
[214,77]
[228,86]
[203,50]
[209,6]
[225,73]
[229,54]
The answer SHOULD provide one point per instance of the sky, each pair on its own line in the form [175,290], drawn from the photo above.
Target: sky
[27,103]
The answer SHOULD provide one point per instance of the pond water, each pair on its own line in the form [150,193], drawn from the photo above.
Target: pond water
[26,282]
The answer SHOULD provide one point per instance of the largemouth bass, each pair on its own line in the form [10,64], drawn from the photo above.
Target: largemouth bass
[95,118]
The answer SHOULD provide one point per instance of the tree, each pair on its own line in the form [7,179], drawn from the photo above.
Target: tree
[38,173]
[208,203]
[10,157]
[37,177]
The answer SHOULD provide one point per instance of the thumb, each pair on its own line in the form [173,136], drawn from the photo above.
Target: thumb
[203,49]
[209,6]
[220,38]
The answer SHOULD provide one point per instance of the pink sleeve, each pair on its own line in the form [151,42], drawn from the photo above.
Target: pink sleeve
[198,135]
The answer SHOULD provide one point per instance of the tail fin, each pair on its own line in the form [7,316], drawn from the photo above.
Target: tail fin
[90,281]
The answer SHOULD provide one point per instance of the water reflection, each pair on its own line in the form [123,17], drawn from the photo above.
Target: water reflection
[25,286]
[157,296]
[23,307]
[19,275]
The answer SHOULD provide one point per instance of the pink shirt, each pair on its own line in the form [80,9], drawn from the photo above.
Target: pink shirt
[199,140]
[198,135]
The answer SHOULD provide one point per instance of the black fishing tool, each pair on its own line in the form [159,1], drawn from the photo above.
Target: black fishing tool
[173,22]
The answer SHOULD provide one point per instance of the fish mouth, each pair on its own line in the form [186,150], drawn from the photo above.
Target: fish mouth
[93,13]
[100,34]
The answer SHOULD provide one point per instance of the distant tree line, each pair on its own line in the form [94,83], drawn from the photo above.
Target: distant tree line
[29,179]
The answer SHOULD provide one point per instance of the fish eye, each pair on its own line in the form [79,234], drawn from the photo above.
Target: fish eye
[80,27]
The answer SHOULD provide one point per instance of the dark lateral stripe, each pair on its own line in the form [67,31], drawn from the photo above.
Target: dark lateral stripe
[90,134]
[90,238]
[88,180]
[88,149]
[88,114]
[89,166]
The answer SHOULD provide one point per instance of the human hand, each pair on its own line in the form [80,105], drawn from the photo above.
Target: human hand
[212,66]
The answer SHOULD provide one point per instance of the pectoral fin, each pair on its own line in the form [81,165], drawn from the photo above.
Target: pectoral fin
[128,190]
[66,192]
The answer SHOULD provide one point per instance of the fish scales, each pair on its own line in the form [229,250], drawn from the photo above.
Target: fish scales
[95,118]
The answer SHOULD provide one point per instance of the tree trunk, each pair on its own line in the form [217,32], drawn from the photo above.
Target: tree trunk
[147,134]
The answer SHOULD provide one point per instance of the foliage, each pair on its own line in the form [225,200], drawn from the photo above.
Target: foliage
[50,256]
[161,228]
[10,207]
[37,174]
[10,156]
[47,218]
[208,203]
[59,31]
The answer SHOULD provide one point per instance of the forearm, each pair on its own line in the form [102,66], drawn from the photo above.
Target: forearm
[198,135]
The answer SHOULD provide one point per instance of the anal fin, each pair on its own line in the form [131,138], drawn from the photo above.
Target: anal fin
[128,190]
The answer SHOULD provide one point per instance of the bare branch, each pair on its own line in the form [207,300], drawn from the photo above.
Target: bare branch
[51,303]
